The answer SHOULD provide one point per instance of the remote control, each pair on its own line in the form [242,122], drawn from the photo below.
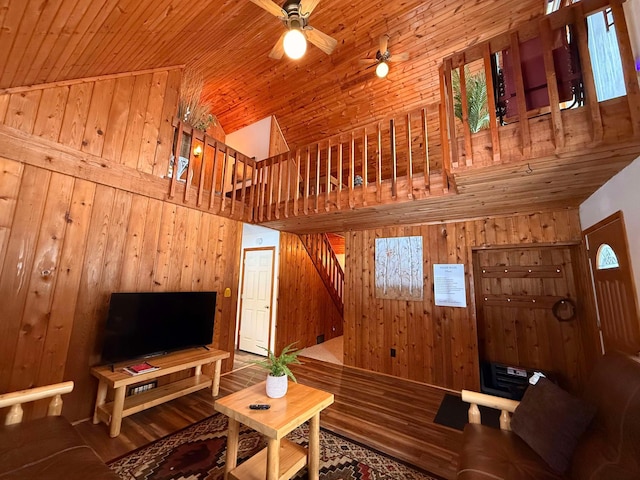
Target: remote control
[259,406]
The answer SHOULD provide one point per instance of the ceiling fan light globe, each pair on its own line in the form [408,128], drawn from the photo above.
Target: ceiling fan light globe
[382,69]
[295,44]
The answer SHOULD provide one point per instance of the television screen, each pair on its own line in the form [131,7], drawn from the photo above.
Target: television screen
[145,324]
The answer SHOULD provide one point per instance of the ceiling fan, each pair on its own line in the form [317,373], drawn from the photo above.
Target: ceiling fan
[384,57]
[294,14]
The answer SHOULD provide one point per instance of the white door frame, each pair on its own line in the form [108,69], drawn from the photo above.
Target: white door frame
[273,260]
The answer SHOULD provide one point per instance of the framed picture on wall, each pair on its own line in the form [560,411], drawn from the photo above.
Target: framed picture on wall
[398,268]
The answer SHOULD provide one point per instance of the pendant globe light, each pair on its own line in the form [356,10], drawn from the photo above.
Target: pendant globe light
[295,44]
[382,69]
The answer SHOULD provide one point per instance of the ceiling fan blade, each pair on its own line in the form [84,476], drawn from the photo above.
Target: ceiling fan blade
[271,7]
[367,61]
[308,6]
[400,57]
[384,43]
[278,49]
[321,40]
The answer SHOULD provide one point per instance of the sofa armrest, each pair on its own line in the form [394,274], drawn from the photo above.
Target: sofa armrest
[16,399]
[505,405]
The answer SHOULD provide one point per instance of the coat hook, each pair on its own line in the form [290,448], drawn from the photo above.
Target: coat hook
[529,170]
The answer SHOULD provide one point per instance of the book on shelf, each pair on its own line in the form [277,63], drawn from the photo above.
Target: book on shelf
[140,368]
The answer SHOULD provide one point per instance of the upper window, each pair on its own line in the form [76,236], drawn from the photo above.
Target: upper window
[606,258]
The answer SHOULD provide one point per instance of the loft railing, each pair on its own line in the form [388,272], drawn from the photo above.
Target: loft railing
[324,258]
[554,49]
[210,175]
[413,156]
[381,163]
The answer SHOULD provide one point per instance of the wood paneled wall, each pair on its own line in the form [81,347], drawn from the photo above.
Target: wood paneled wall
[436,345]
[66,242]
[125,119]
[305,308]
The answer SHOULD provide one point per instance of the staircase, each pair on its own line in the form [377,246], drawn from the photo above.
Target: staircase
[324,258]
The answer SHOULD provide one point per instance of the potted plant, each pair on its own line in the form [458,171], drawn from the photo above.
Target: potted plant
[279,372]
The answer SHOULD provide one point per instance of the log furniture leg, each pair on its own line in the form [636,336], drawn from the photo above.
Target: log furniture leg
[101,398]
[231,459]
[313,466]
[116,416]
[273,459]
[215,381]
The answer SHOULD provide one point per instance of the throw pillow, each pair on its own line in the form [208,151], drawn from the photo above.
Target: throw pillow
[551,421]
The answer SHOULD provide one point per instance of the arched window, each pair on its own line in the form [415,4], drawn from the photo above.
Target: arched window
[606,258]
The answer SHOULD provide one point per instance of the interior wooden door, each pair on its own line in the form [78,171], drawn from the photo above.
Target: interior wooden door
[255,306]
[516,290]
[613,285]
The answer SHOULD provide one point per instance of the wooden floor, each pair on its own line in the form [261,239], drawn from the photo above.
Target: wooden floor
[389,414]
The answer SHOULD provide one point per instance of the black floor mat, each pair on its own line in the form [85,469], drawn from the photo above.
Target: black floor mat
[453,412]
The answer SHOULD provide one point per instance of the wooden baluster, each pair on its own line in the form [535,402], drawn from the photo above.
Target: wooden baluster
[234,182]
[223,180]
[409,158]
[328,187]
[339,194]
[263,188]
[365,173]
[552,83]
[451,118]
[394,160]
[446,154]
[256,195]
[203,157]
[352,168]
[296,207]
[466,128]
[628,64]
[176,161]
[288,195]
[590,95]
[379,165]
[279,190]
[491,103]
[213,175]
[525,132]
[306,183]
[444,134]
[270,183]
[187,182]
[252,192]
[316,200]
[243,195]
[425,139]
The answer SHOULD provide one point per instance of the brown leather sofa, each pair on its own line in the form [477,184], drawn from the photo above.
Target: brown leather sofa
[48,448]
[608,450]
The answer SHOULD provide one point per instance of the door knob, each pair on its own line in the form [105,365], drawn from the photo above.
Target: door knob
[267,307]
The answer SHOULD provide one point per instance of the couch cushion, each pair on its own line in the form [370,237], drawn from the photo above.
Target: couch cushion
[48,448]
[489,453]
[551,421]
[610,448]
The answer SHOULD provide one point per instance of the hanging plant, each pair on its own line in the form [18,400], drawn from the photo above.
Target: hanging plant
[478,109]
[191,109]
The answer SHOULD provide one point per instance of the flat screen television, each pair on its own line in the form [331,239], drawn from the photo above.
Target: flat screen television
[152,323]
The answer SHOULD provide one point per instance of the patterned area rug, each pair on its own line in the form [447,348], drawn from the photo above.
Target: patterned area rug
[198,453]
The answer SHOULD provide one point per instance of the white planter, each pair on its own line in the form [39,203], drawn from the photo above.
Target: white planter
[277,386]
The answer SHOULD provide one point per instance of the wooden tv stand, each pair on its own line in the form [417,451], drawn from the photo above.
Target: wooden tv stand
[122,406]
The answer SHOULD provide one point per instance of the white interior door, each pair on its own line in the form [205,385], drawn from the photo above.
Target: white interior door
[257,292]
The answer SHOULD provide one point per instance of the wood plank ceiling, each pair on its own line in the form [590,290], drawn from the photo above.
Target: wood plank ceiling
[228,41]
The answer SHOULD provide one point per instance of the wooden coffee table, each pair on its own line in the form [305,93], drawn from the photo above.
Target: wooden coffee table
[282,458]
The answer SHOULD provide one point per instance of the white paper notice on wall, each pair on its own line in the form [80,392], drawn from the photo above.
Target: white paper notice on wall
[449,285]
